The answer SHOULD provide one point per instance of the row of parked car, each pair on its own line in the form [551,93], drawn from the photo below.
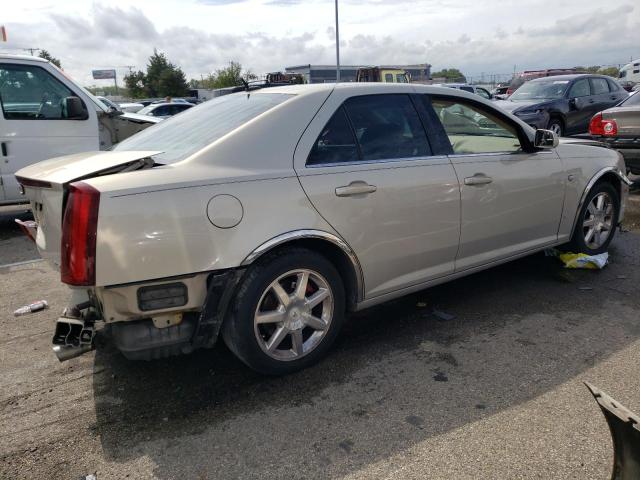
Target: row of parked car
[576,104]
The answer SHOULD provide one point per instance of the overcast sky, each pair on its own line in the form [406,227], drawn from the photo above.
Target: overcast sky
[488,36]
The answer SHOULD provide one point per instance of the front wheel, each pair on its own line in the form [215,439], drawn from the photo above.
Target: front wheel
[597,220]
[555,125]
[287,312]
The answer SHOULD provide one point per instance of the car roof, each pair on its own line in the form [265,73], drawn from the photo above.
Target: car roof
[11,56]
[571,76]
[362,87]
[154,105]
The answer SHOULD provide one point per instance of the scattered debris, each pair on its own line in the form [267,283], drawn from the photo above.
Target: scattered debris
[421,304]
[582,260]
[444,316]
[621,277]
[585,288]
[31,308]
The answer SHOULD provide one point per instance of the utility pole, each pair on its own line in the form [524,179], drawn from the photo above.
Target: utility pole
[31,50]
[337,47]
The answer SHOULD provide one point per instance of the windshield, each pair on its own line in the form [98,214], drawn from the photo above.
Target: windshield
[184,134]
[146,110]
[541,90]
[634,99]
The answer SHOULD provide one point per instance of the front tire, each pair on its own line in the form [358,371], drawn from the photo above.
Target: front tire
[556,126]
[597,220]
[287,312]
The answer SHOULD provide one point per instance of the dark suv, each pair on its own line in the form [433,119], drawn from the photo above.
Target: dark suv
[564,103]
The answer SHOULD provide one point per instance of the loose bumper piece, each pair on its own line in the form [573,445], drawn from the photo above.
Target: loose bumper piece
[625,432]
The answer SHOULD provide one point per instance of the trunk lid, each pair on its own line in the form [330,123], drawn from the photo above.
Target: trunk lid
[45,185]
[627,119]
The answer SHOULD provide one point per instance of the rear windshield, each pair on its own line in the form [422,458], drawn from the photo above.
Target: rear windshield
[632,100]
[180,136]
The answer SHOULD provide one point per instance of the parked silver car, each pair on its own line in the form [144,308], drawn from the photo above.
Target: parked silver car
[266,216]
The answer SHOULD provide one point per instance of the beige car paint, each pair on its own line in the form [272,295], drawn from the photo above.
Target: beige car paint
[153,223]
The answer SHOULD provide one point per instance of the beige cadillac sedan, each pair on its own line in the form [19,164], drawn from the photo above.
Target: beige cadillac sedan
[265,216]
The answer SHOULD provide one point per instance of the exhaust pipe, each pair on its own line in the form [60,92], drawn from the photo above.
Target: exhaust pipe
[67,352]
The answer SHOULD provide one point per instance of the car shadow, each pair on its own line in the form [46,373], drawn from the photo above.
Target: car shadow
[400,373]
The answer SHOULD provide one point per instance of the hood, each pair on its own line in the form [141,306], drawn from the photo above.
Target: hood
[62,170]
[511,106]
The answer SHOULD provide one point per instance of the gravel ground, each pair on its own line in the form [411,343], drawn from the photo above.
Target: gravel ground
[494,392]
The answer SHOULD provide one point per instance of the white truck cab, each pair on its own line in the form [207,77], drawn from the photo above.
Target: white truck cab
[46,114]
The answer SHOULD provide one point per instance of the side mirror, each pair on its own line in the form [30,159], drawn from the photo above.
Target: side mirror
[74,108]
[545,139]
[573,103]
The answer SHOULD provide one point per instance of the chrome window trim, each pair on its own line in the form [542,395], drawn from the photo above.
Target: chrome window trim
[315,234]
[382,160]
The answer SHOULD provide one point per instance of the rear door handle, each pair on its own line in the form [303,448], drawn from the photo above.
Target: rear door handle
[4,149]
[478,179]
[355,188]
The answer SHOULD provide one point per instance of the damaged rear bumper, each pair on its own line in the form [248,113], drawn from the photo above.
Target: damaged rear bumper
[151,335]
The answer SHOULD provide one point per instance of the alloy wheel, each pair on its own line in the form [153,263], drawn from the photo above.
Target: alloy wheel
[556,128]
[598,222]
[294,314]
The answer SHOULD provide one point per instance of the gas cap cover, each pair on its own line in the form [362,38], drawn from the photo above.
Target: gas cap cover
[225,211]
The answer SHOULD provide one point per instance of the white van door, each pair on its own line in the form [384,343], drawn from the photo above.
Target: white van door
[41,118]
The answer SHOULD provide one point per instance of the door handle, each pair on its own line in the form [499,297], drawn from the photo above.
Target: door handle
[355,188]
[591,100]
[478,179]
[4,149]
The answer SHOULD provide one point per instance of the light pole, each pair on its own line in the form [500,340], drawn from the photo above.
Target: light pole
[337,47]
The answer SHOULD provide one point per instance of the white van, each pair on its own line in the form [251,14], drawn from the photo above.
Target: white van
[46,114]
[630,72]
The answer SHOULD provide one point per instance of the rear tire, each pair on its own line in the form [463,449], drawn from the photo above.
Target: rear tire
[597,221]
[287,312]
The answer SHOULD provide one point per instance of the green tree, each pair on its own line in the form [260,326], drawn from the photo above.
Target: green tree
[47,56]
[450,74]
[611,71]
[230,76]
[161,79]
[135,83]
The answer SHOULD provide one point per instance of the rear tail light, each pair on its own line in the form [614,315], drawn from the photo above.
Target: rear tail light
[79,229]
[605,128]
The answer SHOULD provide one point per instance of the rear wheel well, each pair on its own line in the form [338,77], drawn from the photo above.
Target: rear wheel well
[336,256]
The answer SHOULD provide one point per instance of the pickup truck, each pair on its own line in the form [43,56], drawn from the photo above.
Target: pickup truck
[46,114]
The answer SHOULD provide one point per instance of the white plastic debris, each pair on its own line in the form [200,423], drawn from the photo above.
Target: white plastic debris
[32,307]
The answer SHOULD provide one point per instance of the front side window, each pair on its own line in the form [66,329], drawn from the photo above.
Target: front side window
[387,127]
[599,86]
[580,89]
[388,77]
[182,135]
[29,92]
[471,129]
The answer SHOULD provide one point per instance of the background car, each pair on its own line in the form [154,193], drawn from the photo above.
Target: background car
[500,92]
[619,127]
[521,78]
[164,110]
[131,107]
[563,104]
[483,92]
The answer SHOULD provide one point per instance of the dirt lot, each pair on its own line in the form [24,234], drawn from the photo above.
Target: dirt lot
[495,392]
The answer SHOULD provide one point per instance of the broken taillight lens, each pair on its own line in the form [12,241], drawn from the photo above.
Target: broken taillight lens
[79,231]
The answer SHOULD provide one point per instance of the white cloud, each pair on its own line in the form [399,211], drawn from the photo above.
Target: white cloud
[267,35]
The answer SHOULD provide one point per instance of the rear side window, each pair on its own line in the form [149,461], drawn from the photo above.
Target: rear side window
[613,86]
[472,129]
[599,86]
[29,92]
[388,77]
[580,89]
[387,127]
[336,142]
